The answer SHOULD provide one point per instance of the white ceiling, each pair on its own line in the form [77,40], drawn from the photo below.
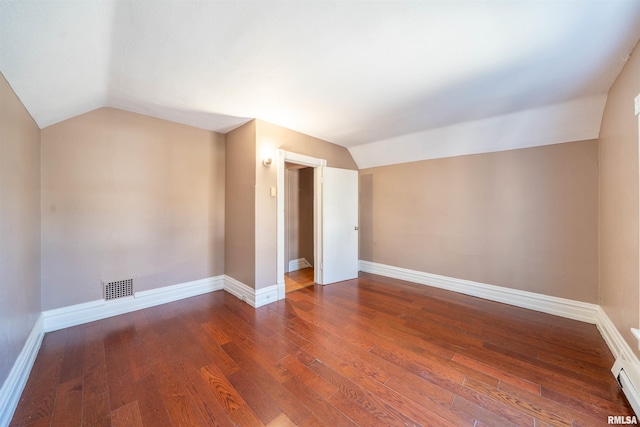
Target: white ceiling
[356,73]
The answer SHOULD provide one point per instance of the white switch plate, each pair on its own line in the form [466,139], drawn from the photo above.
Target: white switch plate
[273,191]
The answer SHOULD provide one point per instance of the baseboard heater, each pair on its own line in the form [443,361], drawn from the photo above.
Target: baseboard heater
[629,379]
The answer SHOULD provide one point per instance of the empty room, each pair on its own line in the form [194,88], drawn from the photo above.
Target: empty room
[319,213]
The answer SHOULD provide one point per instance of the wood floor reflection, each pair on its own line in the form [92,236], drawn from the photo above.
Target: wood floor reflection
[364,352]
[298,279]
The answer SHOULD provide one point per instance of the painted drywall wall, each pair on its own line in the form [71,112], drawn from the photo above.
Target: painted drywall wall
[299,214]
[524,219]
[240,181]
[618,158]
[19,226]
[128,196]
[270,138]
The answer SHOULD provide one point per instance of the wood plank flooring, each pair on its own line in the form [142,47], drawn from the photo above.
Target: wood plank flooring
[370,351]
[298,279]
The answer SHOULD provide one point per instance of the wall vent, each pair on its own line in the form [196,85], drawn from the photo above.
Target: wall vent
[118,289]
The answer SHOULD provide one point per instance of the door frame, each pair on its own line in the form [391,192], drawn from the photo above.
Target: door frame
[636,102]
[317,164]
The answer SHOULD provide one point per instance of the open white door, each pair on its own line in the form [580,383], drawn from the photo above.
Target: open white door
[338,243]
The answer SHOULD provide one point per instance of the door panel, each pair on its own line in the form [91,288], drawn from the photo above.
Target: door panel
[339,228]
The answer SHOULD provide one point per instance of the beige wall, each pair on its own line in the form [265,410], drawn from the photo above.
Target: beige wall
[272,137]
[619,202]
[19,226]
[299,214]
[240,211]
[128,196]
[523,219]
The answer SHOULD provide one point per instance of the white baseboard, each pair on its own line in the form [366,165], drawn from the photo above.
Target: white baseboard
[264,296]
[281,290]
[95,310]
[78,314]
[14,384]
[571,309]
[239,289]
[298,264]
[626,360]
[616,343]
[255,298]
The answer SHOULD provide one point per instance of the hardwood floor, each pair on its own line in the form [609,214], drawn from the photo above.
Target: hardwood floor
[298,279]
[371,351]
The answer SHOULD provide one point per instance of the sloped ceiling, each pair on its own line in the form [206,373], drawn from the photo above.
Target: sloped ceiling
[372,76]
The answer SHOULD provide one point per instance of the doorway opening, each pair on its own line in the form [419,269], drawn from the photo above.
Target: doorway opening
[299,237]
[335,221]
[297,161]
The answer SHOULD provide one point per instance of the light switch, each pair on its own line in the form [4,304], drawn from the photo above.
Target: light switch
[273,191]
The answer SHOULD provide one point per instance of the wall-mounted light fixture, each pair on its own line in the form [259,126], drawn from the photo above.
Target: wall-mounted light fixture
[266,153]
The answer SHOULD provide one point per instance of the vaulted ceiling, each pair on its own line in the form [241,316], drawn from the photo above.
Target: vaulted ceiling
[376,76]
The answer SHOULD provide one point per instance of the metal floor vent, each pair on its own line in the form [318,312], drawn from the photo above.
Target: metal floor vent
[118,289]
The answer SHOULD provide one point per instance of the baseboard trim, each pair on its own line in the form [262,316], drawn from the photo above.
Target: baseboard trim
[78,314]
[625,357]
[95,310]
[282,290]
[298,264]
[14,384]
[255,298]
[266,295]
[571,309]
[239,290]
[616,343]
